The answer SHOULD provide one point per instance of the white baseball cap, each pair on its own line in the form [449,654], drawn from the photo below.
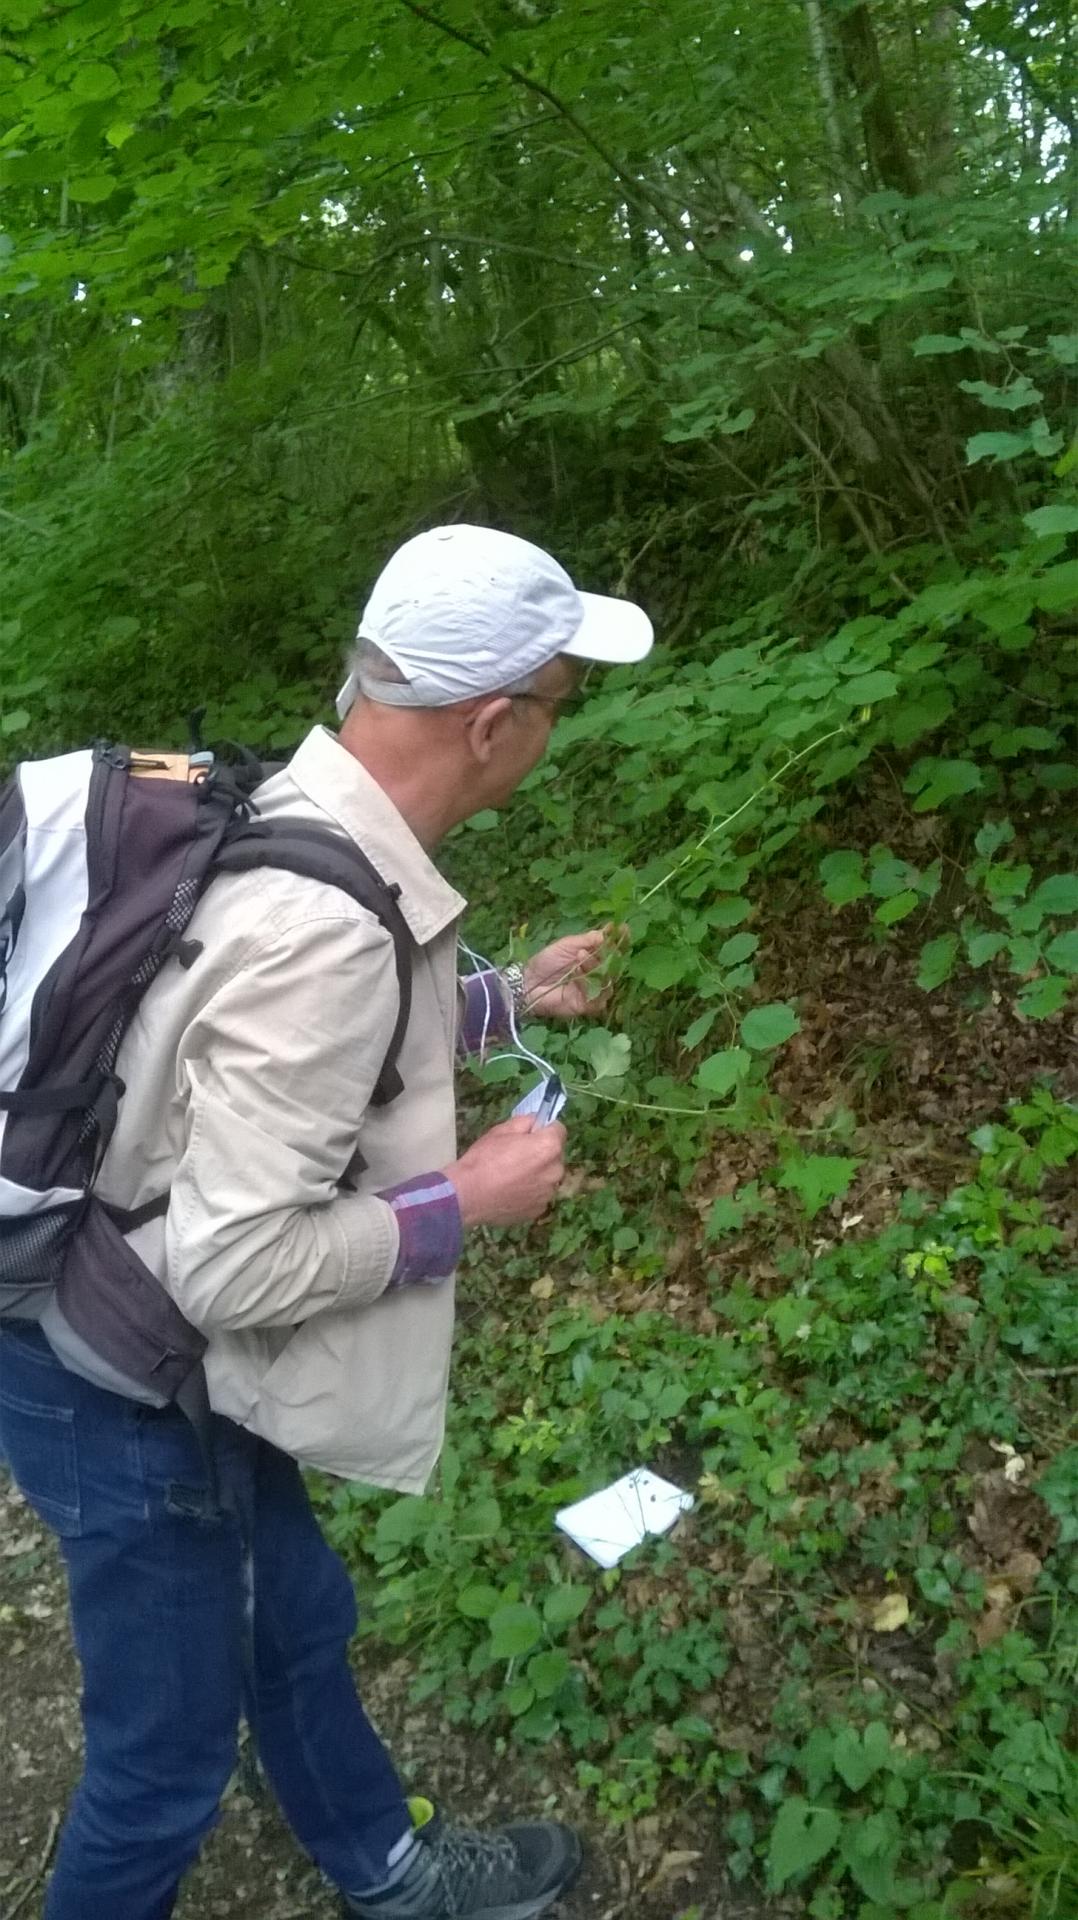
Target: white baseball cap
[466,610]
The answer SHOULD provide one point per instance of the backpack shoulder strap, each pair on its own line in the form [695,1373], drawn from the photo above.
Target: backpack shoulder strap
[316,853]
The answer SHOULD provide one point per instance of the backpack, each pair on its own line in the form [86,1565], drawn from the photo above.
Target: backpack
[104,855]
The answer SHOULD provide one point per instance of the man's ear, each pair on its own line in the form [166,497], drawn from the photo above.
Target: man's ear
[485,726]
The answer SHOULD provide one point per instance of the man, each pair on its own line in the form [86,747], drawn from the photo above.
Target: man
[312,1236]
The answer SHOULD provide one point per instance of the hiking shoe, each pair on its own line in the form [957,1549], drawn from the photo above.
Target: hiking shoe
[514,1873]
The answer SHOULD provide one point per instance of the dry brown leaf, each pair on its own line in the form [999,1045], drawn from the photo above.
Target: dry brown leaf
[891,1613]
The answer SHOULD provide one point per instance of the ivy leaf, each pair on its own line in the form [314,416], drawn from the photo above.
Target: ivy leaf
[937,962]
[817,1178]
[801,1837]
[770,1026]
[720,1072]
[514,1630]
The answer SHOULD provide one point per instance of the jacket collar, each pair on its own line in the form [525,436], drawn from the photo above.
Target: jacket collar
[333,780]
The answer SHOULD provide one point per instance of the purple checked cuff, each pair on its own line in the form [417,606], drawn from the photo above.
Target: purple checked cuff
[485,1012]
[430,1228]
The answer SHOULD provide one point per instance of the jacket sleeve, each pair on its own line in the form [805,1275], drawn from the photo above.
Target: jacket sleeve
[276,1071]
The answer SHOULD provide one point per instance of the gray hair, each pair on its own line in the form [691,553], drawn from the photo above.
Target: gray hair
[372,674]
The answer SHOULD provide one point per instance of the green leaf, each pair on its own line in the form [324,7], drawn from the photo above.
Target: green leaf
[770,1026]
[565,1604]
[857,1757]
[941,780]
[661,967]
[1058,894]
[737,948]
[938,343]
[478,1602]
[483,822]
[720,1072]
[1045,521]
[801,1837]
[843,875]
[896,908]
[817,1178]
[548,1671]
[14,721]
[699,1030]
[607,1054]
[92,187]
[1043,997]
[869,688]
[1062,952]
[982,947]
[514,1630]
[998,446]
[937,961]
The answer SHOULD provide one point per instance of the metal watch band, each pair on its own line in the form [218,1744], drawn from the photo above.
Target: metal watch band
[513,975]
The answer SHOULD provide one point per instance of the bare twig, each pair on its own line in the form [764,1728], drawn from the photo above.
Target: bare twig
[39,1871]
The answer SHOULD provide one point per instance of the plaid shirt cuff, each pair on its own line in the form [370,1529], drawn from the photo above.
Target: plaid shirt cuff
[486,1011]
[430,1230]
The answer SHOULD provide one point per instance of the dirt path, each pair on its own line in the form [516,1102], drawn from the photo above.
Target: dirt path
[251,1868]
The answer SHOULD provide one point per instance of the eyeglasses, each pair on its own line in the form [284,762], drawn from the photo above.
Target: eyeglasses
[561,702]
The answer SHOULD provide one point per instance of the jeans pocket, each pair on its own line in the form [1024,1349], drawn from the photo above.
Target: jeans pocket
[40,1445]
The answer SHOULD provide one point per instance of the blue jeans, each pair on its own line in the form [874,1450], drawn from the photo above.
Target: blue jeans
[181,1620]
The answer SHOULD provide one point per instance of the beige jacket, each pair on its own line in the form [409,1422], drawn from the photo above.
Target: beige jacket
[248,1079]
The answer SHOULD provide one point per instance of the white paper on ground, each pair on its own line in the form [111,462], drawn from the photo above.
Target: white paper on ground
[610,1523]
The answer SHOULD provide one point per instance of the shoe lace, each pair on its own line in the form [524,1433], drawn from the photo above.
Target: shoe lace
[468,1861]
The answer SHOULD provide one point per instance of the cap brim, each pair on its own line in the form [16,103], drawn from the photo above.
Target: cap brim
[614,632]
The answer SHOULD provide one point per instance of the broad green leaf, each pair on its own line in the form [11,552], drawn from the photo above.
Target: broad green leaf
[478,1602]
[514,1630]
[547,1671]
[720,1072]
[997,446]
[895,909]
[801,1837]
[817,1178]
[1058,894]
[14,720]
[941,780]
[1045,521]
[770,1026]
[699,1030]
[606,1053]
[933,343]
[937,961]
[1043,997]
[661,967]
[737,948]
[1062,952]
[843,875]
[869,688]
[982,947]
[565,1604]
[483,822]
[859,1756]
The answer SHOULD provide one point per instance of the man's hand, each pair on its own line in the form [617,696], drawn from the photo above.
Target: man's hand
[510,1175]
[555,982]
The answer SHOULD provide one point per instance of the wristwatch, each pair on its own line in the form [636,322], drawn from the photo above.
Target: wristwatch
[513,975]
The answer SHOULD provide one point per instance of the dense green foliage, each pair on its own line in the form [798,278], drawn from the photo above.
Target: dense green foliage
[769,317]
